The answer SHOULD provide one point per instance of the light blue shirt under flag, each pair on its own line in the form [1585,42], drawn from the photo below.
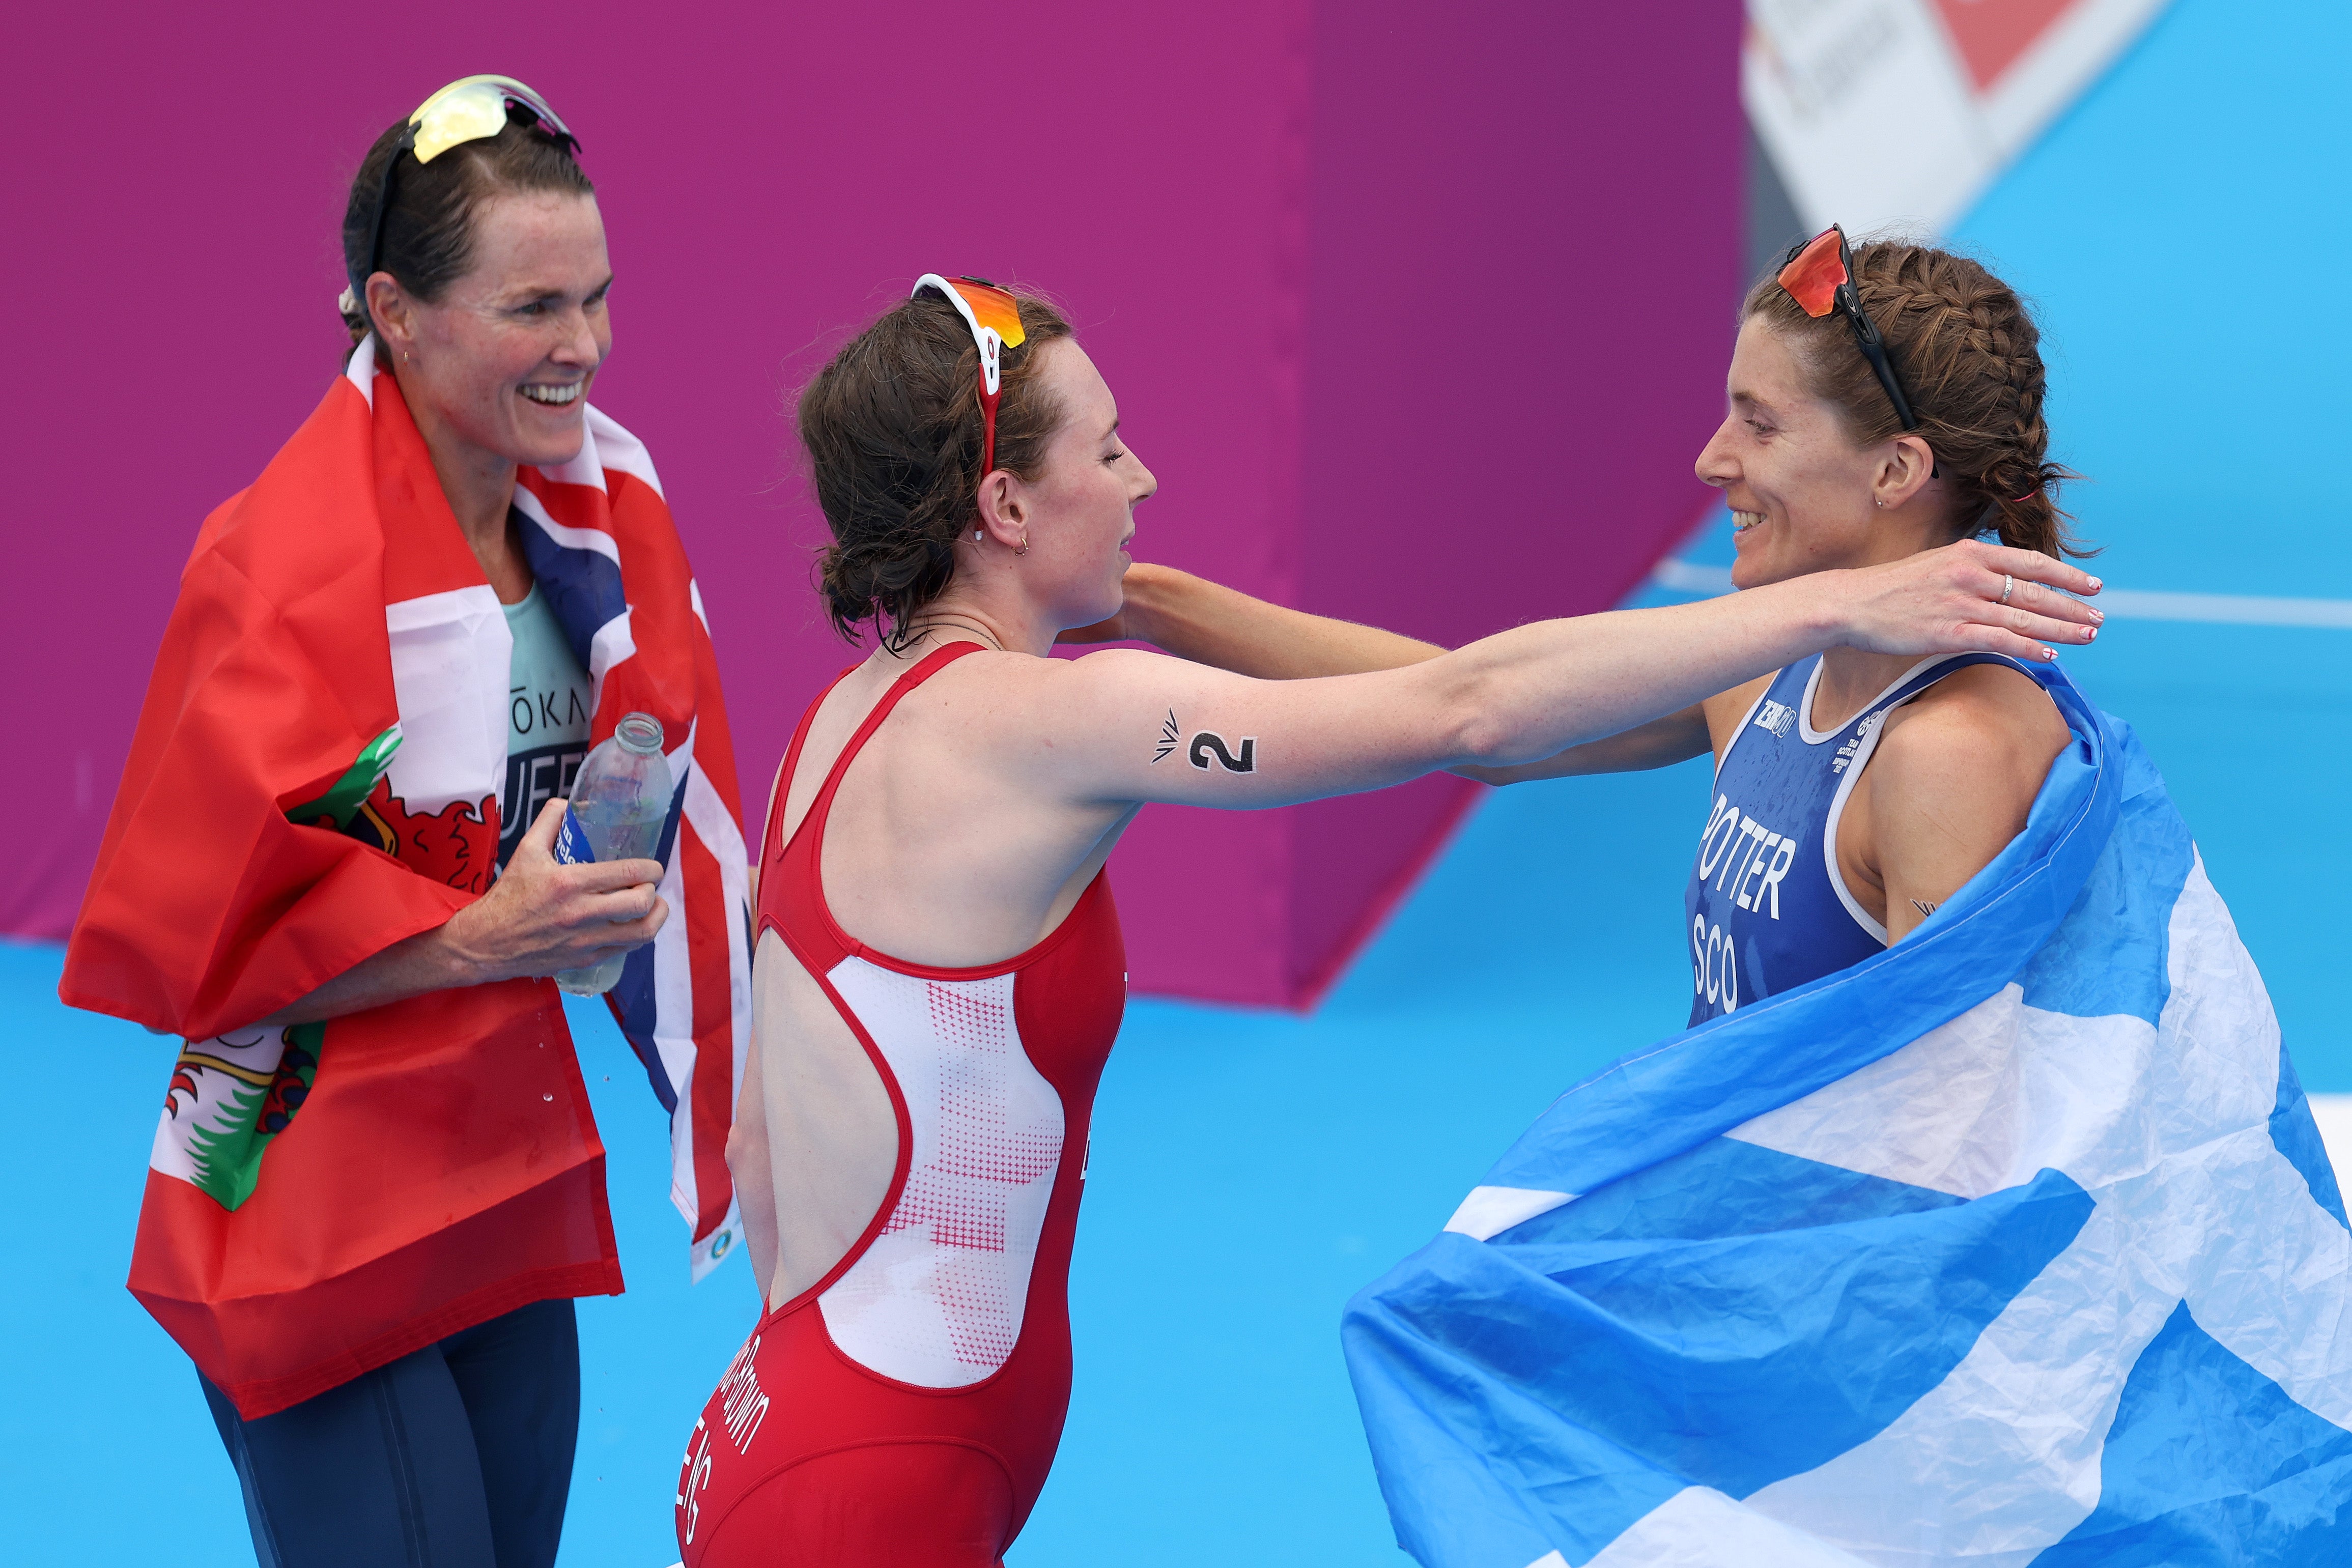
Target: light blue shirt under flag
[548,709]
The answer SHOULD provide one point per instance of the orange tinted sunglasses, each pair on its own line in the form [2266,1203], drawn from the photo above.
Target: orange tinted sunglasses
[1819,275]
[995,323]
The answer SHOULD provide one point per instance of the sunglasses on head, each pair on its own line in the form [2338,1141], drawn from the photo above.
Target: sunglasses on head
[472,108]
[1819,275]
[995,323]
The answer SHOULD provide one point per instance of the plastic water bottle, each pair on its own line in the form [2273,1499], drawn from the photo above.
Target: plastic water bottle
[620,798]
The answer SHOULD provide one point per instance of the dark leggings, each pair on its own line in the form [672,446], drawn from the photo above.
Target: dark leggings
[457,1455]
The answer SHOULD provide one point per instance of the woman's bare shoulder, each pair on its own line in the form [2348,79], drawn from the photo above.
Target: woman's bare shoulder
[992,686]
[1977,724]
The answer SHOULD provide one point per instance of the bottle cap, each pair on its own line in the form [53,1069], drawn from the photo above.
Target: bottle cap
[640,733]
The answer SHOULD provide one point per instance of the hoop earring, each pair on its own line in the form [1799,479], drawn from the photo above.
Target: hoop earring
[1025,546]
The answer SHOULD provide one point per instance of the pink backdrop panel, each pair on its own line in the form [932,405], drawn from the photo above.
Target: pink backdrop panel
[1308,250]
[1523,256]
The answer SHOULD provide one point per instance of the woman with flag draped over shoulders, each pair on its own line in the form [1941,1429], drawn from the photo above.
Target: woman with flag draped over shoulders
[376,1186]
[1978,1218]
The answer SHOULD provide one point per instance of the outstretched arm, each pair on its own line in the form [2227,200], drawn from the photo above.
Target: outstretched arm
[1225,629]
[1122,726]
[1661,743]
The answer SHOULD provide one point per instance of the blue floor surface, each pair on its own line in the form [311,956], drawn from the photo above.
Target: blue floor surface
[2183,230]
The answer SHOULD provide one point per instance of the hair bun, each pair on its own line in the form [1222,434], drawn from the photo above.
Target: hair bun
[892,428]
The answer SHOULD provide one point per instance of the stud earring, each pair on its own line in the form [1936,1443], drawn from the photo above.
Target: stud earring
[975,536]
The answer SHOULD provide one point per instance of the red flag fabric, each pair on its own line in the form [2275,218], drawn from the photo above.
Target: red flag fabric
[316,775]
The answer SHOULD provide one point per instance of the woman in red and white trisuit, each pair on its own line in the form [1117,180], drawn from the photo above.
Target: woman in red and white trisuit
[939,973]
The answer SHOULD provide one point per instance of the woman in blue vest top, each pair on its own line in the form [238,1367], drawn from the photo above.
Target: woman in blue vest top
[1882,400]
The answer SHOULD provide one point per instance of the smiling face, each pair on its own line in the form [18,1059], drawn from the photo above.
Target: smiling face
[499,366]
[1080,505]
[1803,497]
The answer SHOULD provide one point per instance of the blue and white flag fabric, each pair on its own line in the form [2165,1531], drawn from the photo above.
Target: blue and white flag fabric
[2013,1244]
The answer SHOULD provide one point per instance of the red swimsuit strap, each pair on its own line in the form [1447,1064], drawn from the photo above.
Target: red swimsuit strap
[772,853]
[930,664]
[791,899]
[769,845]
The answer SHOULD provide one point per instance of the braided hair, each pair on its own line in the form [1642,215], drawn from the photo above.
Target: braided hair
[892,427]
[1969,357]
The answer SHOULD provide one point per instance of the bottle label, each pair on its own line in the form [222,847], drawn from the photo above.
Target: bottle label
[571,840]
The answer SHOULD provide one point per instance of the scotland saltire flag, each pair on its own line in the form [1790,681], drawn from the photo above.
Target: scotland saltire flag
[2013,1244]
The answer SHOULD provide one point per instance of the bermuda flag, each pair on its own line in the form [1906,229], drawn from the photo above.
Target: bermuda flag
[2013,1244]
[317,775]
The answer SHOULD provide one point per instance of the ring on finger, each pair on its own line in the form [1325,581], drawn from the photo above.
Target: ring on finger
[2008,585]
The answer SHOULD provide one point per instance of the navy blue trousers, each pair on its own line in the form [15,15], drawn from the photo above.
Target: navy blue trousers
[456,1455]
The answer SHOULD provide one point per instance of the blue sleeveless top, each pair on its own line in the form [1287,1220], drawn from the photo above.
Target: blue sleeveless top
[1766,908]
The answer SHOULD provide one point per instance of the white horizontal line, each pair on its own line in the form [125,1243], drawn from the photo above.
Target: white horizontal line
[2228,609]
[1680,576]
[1688,577]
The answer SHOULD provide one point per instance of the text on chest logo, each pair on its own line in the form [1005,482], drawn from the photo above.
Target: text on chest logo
[1742,857]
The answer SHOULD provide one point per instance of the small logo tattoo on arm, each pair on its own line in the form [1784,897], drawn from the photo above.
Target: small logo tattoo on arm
[1170,737]
[1244,761]
[1924,907]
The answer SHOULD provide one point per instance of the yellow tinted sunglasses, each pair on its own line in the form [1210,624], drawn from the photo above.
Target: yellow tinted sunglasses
[995,323]
[472,108]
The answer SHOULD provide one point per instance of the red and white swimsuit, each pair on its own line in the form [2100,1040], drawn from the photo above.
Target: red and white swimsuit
[905,1409]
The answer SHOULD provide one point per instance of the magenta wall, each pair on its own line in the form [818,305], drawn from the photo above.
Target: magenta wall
[1419,318]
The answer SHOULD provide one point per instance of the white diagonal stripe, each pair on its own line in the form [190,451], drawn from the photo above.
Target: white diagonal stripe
[1489,1211]
[2167,1129]
[1699,1527]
